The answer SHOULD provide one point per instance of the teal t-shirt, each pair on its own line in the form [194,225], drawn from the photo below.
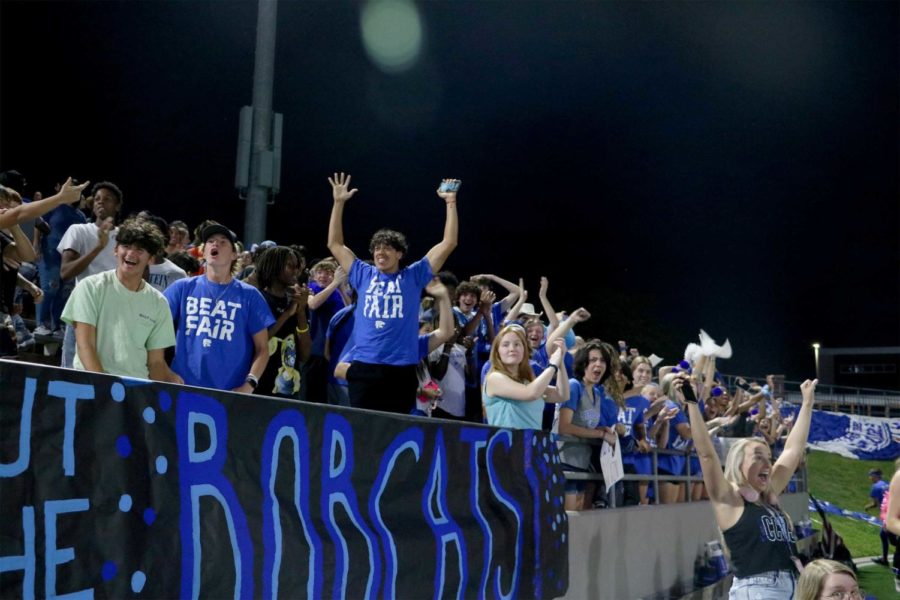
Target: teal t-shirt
[128,323]
[514,414]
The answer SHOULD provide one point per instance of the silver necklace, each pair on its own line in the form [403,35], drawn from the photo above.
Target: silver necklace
[222,293]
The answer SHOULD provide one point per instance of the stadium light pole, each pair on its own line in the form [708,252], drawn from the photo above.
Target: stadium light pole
[815,348]
[263,82]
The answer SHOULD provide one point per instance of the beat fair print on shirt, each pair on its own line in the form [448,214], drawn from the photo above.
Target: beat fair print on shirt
[215,324]
[383,300]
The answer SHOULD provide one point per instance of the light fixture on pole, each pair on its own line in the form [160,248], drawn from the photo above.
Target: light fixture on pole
[816,347]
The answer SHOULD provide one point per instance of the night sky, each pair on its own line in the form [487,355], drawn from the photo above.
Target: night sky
[670,166]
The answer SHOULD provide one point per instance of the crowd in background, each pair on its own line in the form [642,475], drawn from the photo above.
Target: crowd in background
[340,330]
[141,297]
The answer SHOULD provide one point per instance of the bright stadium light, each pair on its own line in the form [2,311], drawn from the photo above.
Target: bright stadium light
[816,347]
[392,34]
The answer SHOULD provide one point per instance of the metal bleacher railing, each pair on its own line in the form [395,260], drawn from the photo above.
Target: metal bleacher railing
[835,398]
[797,484]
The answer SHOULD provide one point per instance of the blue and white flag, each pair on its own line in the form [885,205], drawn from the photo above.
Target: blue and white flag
[837,510]
[853,436]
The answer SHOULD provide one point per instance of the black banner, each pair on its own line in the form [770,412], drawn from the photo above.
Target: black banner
[111,487]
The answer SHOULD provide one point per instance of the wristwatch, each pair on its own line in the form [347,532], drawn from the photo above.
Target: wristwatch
[252,380]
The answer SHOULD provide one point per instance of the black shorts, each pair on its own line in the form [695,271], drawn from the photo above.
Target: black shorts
[388,388]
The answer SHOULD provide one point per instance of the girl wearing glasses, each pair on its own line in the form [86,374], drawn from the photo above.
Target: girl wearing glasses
[513,396]
[828,580]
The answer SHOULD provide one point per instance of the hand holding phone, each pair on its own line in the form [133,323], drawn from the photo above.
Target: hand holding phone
[688,392]
[449,185]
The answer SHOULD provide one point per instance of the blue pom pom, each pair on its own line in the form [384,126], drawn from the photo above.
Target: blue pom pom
[684,364]
[676,370]
[717,391]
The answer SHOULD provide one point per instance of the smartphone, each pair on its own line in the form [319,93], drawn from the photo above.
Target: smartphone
[450,186]
[744,386]
[688,392]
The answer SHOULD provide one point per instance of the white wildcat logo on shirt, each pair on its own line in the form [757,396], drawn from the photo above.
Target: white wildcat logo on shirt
[775,529]
[383,300]
[201,319]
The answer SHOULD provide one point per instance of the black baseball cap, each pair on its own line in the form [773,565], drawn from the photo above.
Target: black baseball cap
[211,230]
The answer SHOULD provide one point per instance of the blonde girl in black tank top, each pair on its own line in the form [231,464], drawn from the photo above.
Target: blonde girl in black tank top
[761,550]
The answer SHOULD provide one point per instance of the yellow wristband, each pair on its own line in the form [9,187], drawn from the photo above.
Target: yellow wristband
[302,331]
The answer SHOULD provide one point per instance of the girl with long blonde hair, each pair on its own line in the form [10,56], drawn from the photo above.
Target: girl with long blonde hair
[744,500]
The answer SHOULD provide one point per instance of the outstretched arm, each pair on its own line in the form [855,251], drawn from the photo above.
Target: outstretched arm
[795,446]
[340,192]
[438,255]
[559,333]
[68,193]
[717,486]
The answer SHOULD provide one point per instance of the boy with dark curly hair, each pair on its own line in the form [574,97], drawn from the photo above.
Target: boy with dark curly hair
[122,324]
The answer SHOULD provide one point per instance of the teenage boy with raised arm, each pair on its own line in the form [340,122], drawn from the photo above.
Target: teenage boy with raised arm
[382,375]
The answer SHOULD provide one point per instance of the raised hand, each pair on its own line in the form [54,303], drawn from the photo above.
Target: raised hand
[340,187]
[580,315]
[669,413]
[436,288]
[72,193]
[340,275]
[487,301]
[545,283]
[808,389]
[300,296]
[103,230]
[449,197]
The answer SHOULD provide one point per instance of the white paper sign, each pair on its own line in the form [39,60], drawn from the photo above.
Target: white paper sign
[611,464]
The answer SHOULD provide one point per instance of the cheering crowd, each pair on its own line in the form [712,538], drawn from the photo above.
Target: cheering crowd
[136,296]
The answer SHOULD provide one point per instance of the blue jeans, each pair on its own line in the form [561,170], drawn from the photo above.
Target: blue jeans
[770,585]
[68,349]
[56,292]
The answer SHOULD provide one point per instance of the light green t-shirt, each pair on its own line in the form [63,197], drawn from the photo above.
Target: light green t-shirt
[128,323]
